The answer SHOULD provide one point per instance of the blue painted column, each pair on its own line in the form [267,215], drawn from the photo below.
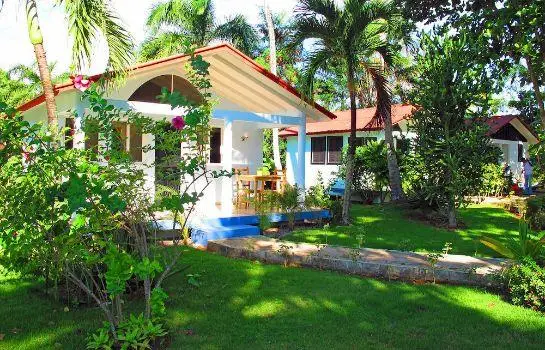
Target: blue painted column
[301,148]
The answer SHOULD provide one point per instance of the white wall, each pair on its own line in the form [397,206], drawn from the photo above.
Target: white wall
[327,171]
[510,156]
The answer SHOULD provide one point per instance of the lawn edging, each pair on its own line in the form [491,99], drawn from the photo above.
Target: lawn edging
[380,263]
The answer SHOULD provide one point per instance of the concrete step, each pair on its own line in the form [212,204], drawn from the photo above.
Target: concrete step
[201,234]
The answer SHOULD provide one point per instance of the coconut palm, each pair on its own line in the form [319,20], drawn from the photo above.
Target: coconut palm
[348,37]
[87,21]
[30,76]
[272,64]
[175,22]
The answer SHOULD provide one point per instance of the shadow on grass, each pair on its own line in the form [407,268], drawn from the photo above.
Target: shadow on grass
[244,304]
[388,227]
[250,305]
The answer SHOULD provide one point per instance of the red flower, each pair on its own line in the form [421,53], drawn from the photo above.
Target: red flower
[81,83]
[27,156]
[178,122]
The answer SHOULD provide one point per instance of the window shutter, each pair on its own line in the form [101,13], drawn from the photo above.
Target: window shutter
[520,152]
[135,140]
[215,145]
[317,148]
[334,149]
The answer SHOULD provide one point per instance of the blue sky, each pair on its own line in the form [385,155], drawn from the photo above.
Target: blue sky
[14,39]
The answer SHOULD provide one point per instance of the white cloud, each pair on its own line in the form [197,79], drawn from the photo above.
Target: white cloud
[17,48]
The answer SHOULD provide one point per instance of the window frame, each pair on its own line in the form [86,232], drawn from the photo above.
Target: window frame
[324,151]
[220,146]
[340,151]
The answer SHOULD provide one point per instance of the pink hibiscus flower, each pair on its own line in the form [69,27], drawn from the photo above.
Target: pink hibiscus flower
[81,83]
[178,122]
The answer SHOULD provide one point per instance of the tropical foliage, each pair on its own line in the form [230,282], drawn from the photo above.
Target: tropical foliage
[67,218]
[348,38]
[174,23]
[451,147]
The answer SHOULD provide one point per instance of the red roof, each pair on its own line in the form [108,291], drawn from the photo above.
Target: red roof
[499,121]
[364,116]
[163,61]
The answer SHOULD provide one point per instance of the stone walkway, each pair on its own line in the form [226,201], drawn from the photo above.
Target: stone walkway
[381,263]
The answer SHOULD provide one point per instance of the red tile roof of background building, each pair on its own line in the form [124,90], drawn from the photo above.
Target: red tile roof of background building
[341,124]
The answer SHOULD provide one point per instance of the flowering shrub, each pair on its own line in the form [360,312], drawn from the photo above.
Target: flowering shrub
[67,217]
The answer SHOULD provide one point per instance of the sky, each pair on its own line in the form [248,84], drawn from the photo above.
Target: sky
[14,37]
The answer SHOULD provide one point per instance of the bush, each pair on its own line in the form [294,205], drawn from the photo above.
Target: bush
[524,284]
[535,213]
[317,196]
[494,182]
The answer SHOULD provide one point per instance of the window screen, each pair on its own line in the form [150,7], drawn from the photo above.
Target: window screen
[317,148]
[334,149]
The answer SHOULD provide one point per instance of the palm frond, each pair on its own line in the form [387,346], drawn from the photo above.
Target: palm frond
[384,95]
[240,33]
[315,61]
[90,19]
[163,45]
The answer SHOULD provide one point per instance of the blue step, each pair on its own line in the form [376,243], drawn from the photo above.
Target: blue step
[201,234]
[274,218]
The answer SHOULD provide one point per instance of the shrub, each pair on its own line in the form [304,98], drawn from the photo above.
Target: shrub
[494,182]
[317,196]
[524,284]
[62,214]
[527,245]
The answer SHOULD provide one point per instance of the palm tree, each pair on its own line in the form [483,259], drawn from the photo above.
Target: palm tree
[174,23]
[30,76]
[348,37]
[272,64]
[87,19]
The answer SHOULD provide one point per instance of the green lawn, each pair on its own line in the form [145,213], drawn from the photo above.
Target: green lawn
[244,304]
[387,227]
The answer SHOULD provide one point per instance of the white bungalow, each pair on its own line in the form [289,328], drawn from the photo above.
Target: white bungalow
[250,98]
[325,140]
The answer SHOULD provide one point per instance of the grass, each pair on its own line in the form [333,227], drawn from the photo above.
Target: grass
[244,304]
[387,227]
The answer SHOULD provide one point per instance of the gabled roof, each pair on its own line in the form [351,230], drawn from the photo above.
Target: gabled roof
[497,122]
[246,61]
[341,124]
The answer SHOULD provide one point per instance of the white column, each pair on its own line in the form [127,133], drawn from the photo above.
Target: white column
[227,162]
[301,148]
[79,135]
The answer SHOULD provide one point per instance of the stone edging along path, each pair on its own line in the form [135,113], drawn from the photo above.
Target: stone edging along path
[381,263]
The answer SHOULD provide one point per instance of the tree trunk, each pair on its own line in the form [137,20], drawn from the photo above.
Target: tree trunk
[47,85]
[393,168]
[272,65]
[452,222]
[36,38]
[537,92]
[351,150]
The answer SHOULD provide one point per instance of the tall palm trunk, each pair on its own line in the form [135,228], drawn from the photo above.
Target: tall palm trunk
[272,64]
[36,38]
[537,92]
[393,167]
[351,149]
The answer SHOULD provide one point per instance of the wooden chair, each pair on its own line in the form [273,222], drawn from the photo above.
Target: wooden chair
[280,185]
[243,188]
